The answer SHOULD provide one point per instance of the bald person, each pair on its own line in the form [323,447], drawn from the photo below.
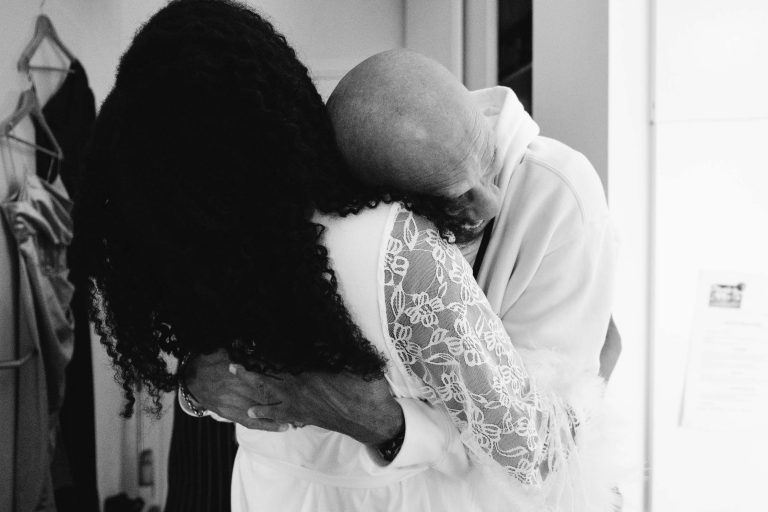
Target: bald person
[528,213]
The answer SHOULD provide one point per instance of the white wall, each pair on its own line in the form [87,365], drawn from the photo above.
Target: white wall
[332,36]
[570,75]
[481,43]
[687,188]
[435,28]
[630,197]
[711,187]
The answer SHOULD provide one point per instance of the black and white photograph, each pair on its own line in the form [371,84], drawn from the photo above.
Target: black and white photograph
[383,255]
[726,295]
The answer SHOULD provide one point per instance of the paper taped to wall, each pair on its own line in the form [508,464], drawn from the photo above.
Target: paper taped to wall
[727,373]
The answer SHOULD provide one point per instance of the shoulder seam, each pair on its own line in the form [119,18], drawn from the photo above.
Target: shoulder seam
[562,178]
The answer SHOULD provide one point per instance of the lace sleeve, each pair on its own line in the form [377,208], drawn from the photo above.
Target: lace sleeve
[446,335]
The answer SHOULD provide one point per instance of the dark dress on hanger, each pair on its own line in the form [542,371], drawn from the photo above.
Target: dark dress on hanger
[70,113]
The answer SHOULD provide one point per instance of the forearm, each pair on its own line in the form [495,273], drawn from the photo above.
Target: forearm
[526,411]
[371,422]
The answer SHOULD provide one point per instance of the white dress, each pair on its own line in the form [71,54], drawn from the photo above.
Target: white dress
[481,432]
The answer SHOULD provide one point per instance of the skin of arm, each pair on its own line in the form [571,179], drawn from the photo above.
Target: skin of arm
[363,410]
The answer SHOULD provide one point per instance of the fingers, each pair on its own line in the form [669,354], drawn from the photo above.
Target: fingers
[266,411]
[262,391]
[238,416]
[265,424]
[265,418]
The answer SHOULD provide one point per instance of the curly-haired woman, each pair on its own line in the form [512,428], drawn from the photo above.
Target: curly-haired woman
[217,214]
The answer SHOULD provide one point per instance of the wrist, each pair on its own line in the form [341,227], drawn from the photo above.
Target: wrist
[389,449]
[384,425]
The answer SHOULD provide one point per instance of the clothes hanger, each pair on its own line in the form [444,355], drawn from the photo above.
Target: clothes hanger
[29,105]
[43,30]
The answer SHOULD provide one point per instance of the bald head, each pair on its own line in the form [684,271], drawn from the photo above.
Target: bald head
[404,121]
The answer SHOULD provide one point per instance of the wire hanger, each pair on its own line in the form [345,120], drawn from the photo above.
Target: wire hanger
[43,30]
[29,105]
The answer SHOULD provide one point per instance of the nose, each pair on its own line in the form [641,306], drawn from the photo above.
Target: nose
[485,203]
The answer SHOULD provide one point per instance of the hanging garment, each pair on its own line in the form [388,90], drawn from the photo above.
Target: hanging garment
[37,215]
[70,113]
[200,464]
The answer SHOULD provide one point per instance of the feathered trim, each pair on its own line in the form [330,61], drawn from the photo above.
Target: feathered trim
[586,479]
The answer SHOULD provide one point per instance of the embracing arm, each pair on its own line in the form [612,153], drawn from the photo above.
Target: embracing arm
[363,410]
[507,405]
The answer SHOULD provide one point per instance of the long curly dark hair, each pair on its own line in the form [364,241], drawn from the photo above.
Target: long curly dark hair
[194,221]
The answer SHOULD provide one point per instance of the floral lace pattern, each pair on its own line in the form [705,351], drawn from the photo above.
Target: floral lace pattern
[446,335]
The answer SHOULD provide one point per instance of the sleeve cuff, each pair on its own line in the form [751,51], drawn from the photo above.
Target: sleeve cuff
[427,435]
[216,417]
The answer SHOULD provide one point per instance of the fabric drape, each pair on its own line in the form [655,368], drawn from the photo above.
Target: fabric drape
[200,464]
[70,113]
[38,217]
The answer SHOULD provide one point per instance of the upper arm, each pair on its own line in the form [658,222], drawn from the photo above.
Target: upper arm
[446,335]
